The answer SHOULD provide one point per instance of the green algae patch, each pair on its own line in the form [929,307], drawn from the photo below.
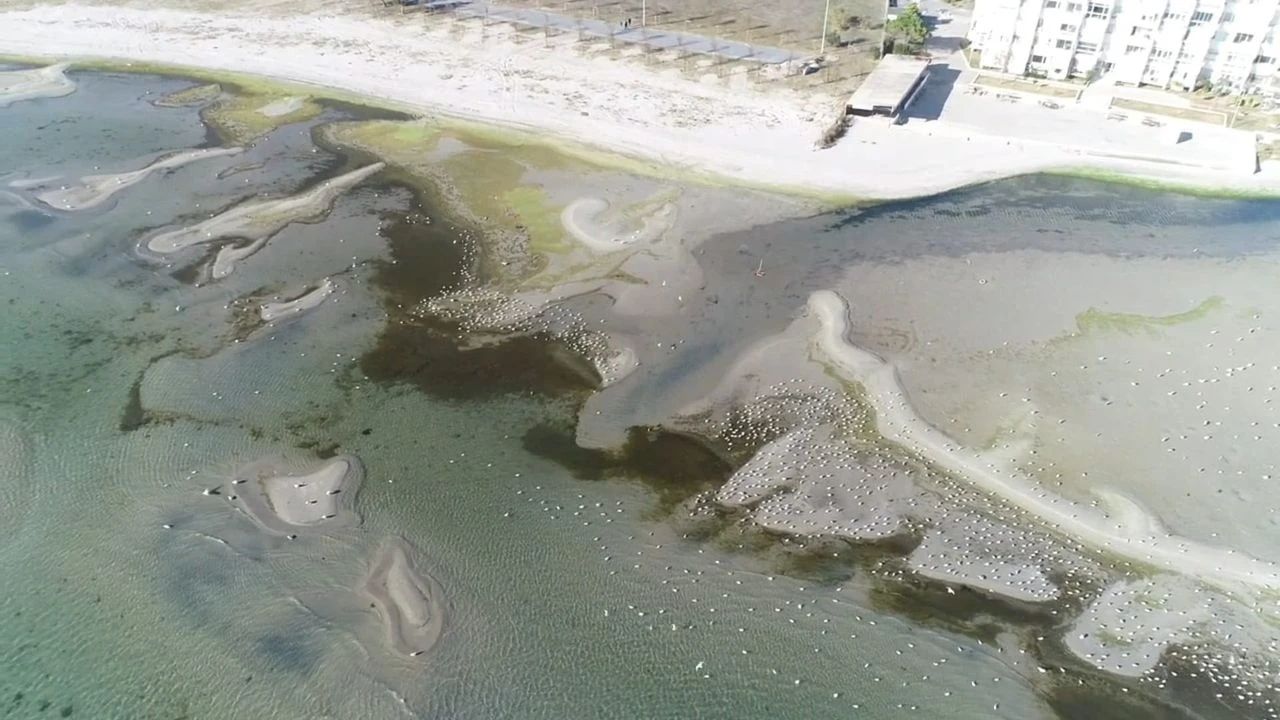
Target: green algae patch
[1180,188]
[197,95]
[539,218]
[240,118]
[1095,320]
[407,145]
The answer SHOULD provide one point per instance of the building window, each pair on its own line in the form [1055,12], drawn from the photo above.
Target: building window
[1133,50]
[1228,17]
[1243,37]
[1051,4]
[1068,28]
[1098,11]
[1074,7]
[1264,60]
[1085,47]
[1038,59]
[1200,17]
[1161,54]
[1063,45]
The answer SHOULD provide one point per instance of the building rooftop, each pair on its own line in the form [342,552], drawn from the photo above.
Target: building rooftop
[888,84]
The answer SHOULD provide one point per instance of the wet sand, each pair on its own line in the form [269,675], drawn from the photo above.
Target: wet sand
[286,503]
[50,81]
[93,190]
[258,219]
[410,603]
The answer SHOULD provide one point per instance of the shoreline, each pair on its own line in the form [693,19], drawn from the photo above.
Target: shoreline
[643,118]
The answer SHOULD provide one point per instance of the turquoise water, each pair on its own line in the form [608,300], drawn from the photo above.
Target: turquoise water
[129,591]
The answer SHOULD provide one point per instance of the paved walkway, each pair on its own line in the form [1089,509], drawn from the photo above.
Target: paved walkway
[650,37]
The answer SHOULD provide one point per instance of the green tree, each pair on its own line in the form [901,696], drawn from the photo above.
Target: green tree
[909,28]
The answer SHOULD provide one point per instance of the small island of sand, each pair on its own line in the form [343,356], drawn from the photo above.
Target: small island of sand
[409,601]
[282,500]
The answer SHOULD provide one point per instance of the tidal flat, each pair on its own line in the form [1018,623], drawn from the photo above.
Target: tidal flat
[347,413]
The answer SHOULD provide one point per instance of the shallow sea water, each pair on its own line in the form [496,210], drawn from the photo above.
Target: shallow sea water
[130,592]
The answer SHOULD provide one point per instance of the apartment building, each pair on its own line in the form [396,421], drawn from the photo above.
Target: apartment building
[1177,44]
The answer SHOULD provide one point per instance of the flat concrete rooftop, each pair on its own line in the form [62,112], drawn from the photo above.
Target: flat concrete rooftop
[888,85]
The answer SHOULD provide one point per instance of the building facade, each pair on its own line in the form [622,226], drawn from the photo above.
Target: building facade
[1179,44]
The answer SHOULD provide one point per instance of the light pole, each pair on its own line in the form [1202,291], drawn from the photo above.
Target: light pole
[825,14]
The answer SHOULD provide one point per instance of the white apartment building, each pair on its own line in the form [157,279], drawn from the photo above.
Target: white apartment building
[1167,43]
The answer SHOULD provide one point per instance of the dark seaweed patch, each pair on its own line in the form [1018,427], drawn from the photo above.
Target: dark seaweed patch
[674,465]
[431,257]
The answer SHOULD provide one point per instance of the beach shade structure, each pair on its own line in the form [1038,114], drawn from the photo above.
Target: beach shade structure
[653,39]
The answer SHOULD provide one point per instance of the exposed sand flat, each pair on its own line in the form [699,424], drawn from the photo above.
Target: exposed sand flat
[1001,568]
[585,219]
[291,308]
[43,82]
[93,190]
[410,602]
[258,219]
[1128,536]
[284,502]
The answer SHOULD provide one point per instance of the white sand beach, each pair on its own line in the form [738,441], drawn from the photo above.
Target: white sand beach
[742,130]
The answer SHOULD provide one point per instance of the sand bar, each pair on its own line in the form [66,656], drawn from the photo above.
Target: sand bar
[292,308]
[284,501]
[93,190]
[409,601]
[258,219]
[43,82]
[224,263]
